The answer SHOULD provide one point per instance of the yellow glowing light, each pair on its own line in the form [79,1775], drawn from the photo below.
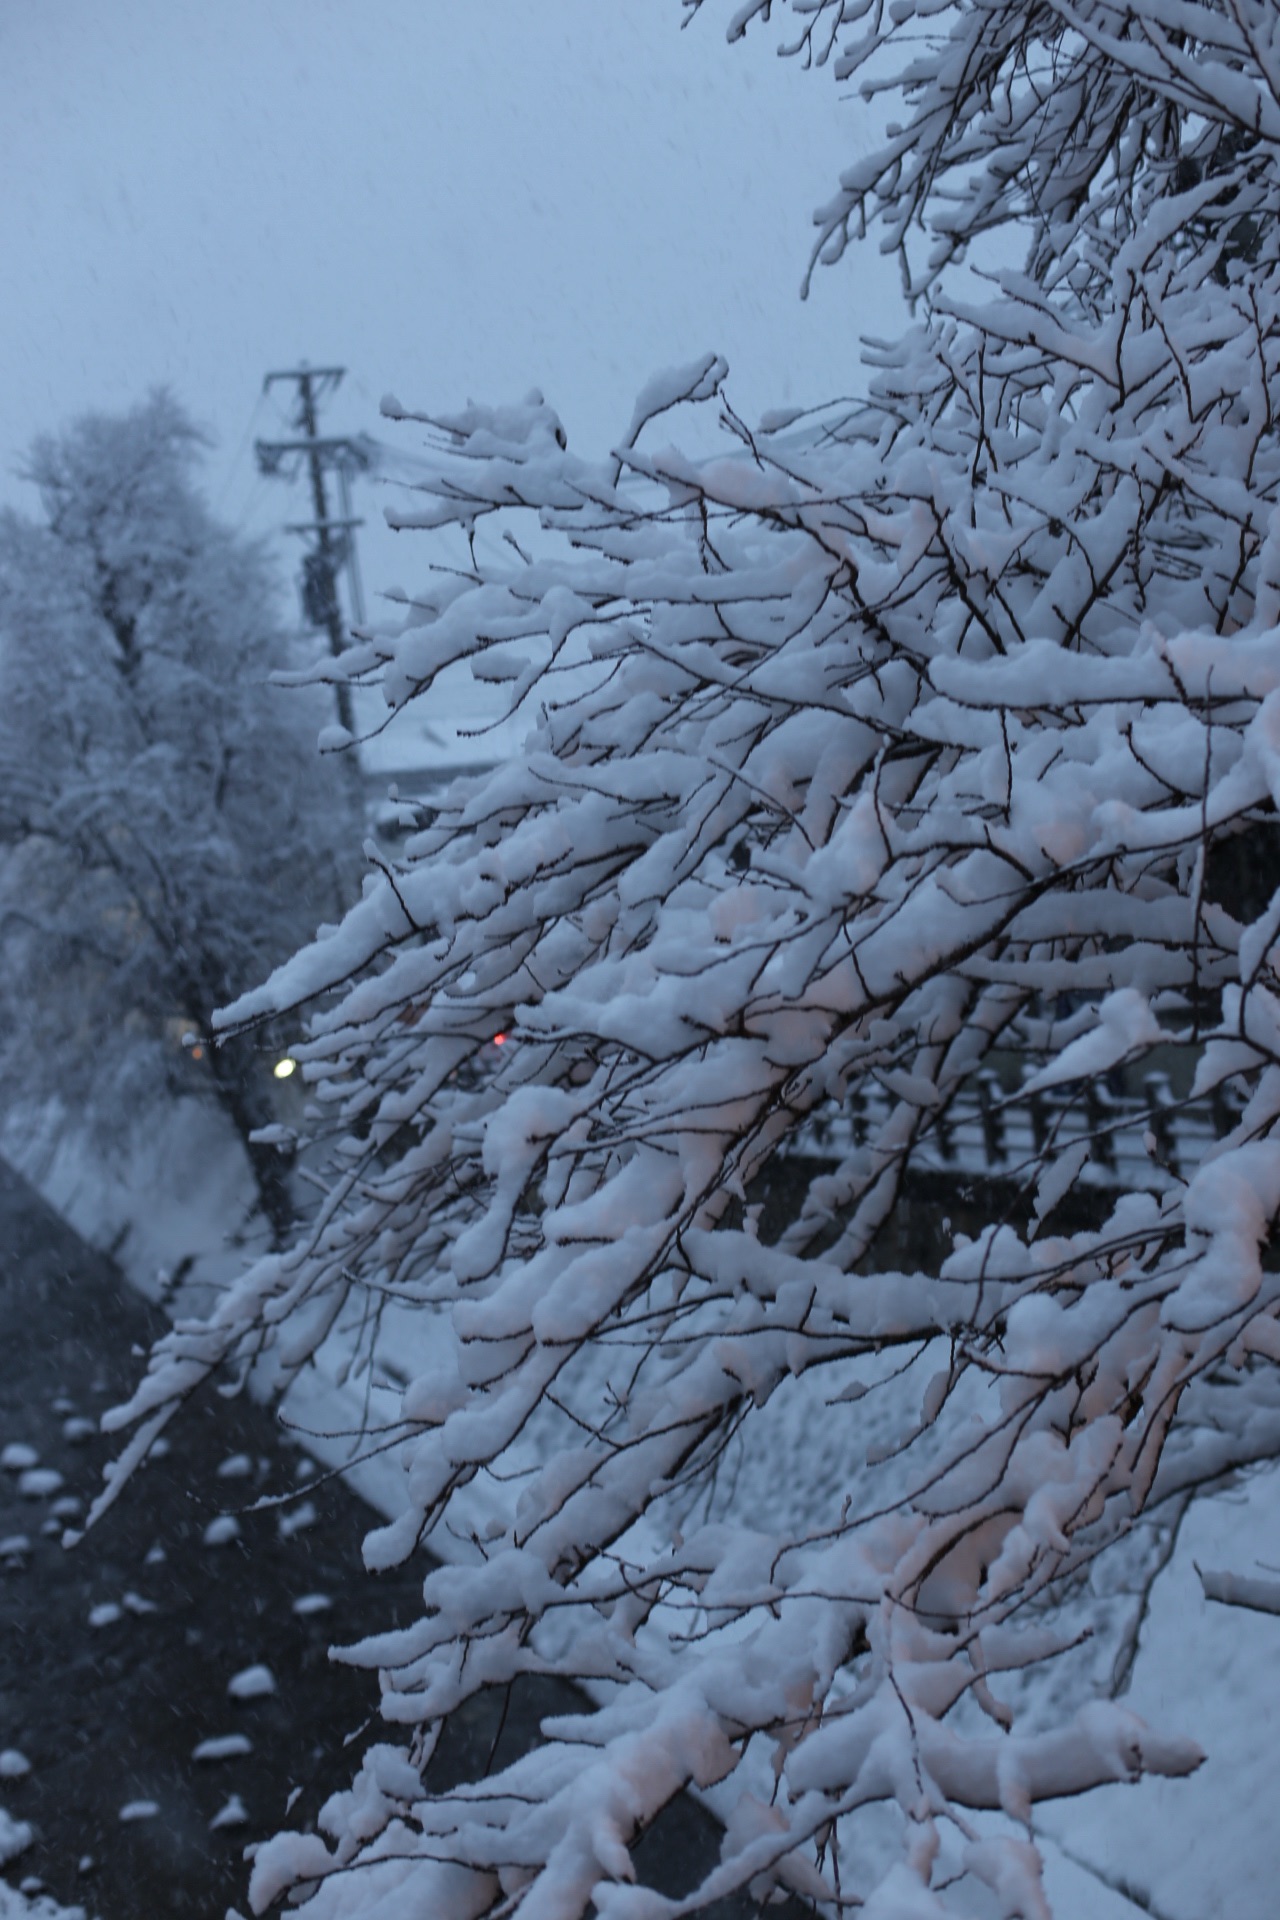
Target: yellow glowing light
[283,1068]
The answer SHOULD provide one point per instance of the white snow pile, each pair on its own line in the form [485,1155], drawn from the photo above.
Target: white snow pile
[39,1483]
[15,1837]
[251,1683]
[221,1530]
[138,1810]
[226,1746]
[307,1604]
[232,1813]
[15,1905]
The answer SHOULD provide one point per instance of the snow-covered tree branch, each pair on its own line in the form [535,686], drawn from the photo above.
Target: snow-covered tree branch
[891,745]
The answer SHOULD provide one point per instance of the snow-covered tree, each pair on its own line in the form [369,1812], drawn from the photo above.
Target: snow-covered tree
[168,829]
[891,745]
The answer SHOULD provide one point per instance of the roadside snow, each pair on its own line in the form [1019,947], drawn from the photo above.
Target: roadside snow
[252,1683]
[231,1814]
[1203,1848]
[226,1746]
[138,1810]
[20,1906]
[15,1837]
[223,1530]
[178,1207]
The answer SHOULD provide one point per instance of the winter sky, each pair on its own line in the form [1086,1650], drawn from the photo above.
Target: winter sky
[452,198]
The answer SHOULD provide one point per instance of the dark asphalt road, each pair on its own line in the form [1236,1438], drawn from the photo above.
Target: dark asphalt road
[109,1715]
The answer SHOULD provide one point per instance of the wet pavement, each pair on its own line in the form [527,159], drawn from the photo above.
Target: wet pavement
[117,1658]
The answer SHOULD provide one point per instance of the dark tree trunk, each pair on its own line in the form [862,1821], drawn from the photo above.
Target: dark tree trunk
[237,1079]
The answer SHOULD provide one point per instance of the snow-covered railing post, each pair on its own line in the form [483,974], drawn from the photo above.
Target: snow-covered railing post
[1160,1111]
[989,1098]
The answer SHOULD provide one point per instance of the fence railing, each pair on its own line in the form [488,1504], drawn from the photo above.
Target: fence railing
[1148,1141]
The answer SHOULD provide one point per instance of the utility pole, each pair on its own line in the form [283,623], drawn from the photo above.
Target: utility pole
[333,539]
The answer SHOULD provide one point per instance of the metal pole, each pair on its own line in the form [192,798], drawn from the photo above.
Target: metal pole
[354,586]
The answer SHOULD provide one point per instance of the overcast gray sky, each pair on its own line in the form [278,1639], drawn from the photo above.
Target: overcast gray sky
[453,198]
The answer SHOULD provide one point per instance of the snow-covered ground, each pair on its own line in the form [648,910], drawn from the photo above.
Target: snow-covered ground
[15,1905]
[1200,1849]
[26,1901]
[179,1202]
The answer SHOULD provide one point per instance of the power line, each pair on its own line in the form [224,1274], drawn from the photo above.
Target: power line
[233,467]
